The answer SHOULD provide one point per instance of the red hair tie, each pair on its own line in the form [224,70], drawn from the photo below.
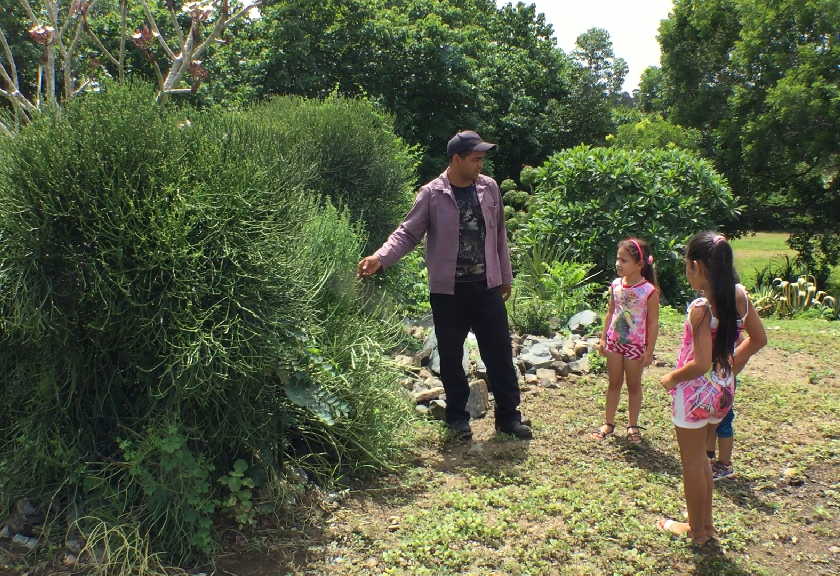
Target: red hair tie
[642,252]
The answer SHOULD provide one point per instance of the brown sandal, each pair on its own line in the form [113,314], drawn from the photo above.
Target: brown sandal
[634,437]
[601,434]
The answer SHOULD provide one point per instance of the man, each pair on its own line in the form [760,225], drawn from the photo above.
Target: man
[470,277]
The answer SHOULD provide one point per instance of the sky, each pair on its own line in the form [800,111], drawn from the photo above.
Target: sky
[632,24]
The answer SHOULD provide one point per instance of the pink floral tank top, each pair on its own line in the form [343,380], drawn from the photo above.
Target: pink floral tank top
[629,320]
[686,354]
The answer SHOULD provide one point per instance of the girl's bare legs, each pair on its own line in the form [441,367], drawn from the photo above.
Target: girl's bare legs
[615,371]
[697,483]
[633,375]
[725,450]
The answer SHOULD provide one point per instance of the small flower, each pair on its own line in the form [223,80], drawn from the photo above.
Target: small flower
[198,71]
[143,37]
[199,11]
[79,7]
[43,35]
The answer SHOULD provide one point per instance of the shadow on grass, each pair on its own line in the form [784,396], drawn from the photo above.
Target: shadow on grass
[739,490]
[500,456]
[710,560]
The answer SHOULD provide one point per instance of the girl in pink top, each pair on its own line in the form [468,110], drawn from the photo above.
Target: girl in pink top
[630,331]
[703,385]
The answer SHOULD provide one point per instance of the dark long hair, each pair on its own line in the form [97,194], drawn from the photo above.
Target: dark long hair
[646,257]
[714,251]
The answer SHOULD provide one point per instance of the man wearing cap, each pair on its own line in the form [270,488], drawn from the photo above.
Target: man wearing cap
[470,276]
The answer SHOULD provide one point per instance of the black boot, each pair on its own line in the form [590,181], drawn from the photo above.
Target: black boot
[515,428]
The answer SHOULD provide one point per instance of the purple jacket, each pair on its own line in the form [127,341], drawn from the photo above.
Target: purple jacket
[435,212]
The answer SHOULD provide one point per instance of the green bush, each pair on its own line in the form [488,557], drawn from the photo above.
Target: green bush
[547,291]
[654,132]
[588,199]
[350,154]
[176,299]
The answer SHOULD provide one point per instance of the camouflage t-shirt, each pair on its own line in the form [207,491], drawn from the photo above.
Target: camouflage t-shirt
[470,265]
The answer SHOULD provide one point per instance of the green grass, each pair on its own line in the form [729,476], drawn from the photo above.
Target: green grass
[564,504]
[754,252]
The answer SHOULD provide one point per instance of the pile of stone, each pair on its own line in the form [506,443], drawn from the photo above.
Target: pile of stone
[539,361]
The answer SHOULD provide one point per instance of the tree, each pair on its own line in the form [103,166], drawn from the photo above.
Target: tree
[595,53]
[652,94]
[762,79]
[67,39]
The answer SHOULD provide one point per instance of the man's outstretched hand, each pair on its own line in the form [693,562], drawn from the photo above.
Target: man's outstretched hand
[368,266]
[505,291]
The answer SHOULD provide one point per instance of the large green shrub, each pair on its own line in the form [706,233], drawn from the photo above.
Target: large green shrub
[349,153]
[177,309]
[588,199]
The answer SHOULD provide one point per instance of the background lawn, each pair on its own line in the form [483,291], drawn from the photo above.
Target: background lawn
[754,252]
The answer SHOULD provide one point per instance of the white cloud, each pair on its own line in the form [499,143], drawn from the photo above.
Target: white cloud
[632,24]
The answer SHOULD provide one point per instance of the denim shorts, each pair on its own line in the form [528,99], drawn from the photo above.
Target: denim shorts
[724,429]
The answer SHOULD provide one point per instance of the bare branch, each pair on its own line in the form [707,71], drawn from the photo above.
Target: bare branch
[178,30]
[12,68]
[123,20]
[101,46]
[25,5]
[153,24]
[223,23]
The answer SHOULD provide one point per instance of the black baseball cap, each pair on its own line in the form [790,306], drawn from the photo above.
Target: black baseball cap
[466,142]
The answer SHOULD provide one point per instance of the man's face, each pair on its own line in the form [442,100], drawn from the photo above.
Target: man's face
[470,166]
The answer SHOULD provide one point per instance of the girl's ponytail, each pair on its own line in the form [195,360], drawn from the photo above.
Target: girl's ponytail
[716,254]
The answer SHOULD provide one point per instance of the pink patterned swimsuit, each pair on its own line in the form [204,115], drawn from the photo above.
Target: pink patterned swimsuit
[707,398]
[627,334]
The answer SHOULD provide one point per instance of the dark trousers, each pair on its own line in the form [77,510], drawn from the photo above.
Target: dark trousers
[475,307]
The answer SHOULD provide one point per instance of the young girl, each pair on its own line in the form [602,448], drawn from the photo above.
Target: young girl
[755,339]
[630,331]
[703,385]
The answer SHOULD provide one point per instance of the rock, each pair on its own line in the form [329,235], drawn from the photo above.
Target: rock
[479,399]
[547,377]
[531,379]
[5,533]
[25,541]
[581,349]
[555,352]
[422,409]
[429,346]
[434,363]
[579,366]
[432,382]
[408,383]
[427,395]
[660,364]
[793,476]
[538,356]
[425,374]
[404,361]
[437,409]
[580,322]
[69,560]
[561,368]
[480,369]
[834,549]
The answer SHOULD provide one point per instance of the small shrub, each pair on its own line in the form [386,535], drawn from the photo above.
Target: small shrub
[547,290]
